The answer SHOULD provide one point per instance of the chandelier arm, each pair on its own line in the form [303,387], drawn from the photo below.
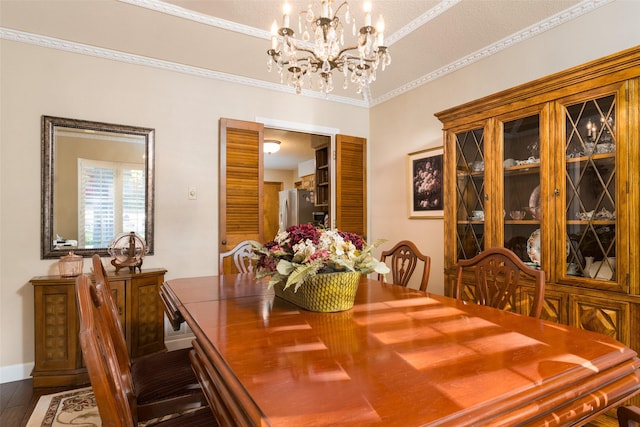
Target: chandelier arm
[340,7]
[308,51]
[357,58]
[346,49]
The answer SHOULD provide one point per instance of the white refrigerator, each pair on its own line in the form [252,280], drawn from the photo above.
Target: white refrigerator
[296,207]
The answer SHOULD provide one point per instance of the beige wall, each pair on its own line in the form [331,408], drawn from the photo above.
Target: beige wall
[406,124]
[185,109]
[288,178]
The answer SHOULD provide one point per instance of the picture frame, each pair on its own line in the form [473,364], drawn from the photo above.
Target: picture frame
[425,173]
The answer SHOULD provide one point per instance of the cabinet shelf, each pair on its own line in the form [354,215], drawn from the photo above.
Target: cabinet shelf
[592,222]
[522,221]
[611,157]
[529,169]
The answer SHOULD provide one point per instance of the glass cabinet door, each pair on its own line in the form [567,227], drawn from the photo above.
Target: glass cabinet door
[470,190]
[590,149]
[521,191]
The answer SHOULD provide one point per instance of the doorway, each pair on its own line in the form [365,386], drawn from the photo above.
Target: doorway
[292,167]
[270,214]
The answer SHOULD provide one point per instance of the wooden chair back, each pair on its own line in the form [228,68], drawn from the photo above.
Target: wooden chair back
[110,315]
[114,396]
[497,275]
[628,416]
[237,260]
[404,257]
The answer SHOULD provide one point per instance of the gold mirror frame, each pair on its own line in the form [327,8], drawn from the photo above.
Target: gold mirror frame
[49,126]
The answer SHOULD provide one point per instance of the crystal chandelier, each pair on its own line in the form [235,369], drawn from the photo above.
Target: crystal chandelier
[297,63]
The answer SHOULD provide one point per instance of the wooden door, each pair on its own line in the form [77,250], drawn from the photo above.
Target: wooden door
[271,209]
[351,184]
[240,179]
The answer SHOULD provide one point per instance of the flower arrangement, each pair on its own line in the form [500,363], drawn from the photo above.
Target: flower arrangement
[302,251]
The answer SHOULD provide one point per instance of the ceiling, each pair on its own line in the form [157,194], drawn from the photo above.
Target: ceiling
[228,39]
[426,38]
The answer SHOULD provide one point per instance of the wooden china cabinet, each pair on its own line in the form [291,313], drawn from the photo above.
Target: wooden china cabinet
[555,167]
[58,357]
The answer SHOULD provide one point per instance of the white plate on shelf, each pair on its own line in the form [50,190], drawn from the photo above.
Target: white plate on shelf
[533,247]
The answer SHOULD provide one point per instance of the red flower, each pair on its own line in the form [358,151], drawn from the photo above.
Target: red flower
[302,232]
[353,238]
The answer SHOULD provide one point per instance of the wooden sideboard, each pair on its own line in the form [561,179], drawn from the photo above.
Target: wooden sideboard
[58,358]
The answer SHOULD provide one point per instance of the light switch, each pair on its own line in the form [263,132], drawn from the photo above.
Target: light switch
[193,193]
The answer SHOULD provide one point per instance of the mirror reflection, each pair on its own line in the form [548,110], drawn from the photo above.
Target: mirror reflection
[97,183]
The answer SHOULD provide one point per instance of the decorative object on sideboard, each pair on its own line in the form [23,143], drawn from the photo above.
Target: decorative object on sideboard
[71,265]
[127,250]
[322,49]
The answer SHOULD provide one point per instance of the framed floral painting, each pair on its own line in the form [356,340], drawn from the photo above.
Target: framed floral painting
[425,178]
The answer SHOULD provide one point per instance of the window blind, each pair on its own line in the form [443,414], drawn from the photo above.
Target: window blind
[111,200]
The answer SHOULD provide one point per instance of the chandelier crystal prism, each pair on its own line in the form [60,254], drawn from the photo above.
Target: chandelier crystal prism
[298,62]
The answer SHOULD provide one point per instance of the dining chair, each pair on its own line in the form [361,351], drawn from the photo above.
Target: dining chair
[242,257]
[164,383]
[111,386]
[497,274]
[628,416]
[404,257]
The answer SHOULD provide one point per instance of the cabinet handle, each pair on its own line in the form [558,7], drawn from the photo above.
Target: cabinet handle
[486,196]
[556,192]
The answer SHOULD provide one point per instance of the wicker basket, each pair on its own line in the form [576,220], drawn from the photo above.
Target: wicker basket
[324,292]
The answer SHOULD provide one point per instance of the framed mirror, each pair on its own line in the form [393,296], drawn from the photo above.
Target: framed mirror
[97,182]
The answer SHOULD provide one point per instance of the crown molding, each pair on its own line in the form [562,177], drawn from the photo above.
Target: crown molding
[418,22]
[114,55]
[171,9]
[531,31]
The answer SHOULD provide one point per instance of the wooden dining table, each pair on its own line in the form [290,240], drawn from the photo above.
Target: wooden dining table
[399,357]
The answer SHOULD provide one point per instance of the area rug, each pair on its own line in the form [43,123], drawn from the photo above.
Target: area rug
[74,407]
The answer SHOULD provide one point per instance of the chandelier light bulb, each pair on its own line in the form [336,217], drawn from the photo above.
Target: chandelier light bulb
[367,13]
[380,31]
[286,11]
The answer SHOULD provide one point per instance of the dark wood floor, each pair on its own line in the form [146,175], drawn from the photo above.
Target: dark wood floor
[18,399]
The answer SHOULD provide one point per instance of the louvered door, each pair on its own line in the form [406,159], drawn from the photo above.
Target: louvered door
[241,177]
[351,184]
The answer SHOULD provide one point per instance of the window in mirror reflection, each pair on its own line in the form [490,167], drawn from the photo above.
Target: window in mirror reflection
[111,201]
